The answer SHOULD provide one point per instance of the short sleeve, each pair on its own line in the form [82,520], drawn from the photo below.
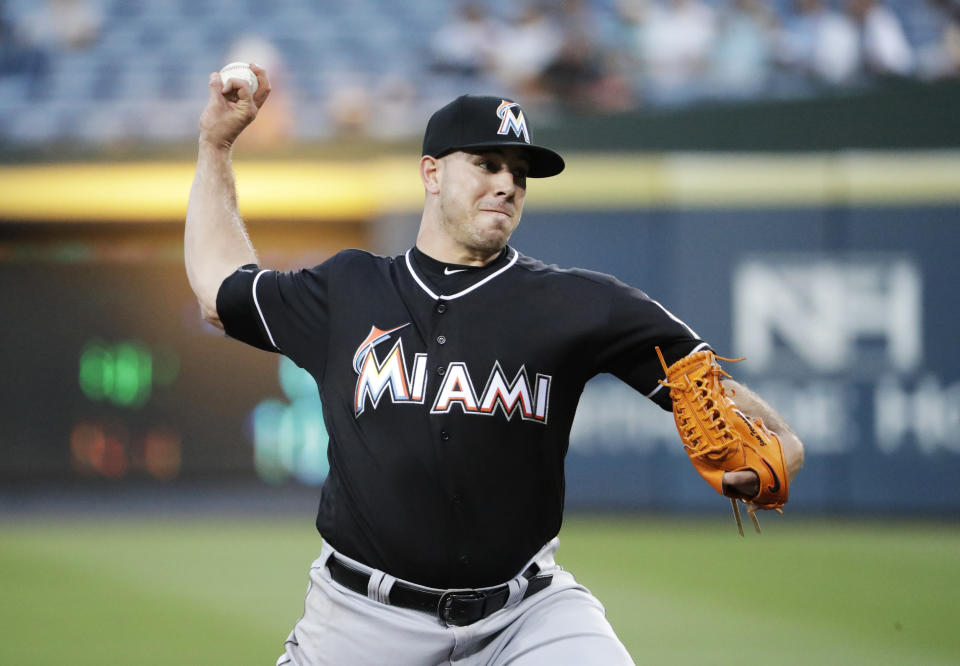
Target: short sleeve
[285,312]
[636,325]
[237,308]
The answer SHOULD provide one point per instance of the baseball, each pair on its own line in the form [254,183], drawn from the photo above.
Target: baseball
[242,72]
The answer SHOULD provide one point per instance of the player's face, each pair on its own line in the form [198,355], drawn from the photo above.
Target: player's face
[481,197]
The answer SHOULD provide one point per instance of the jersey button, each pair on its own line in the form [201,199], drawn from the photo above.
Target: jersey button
[441,339]
[444,436]
[441,307]
[441,370]
[464,560]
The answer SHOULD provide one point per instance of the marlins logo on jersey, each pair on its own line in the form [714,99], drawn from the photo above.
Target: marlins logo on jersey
[510,121]
[376,378]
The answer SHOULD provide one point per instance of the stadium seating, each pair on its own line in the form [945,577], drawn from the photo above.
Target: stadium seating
[144,76]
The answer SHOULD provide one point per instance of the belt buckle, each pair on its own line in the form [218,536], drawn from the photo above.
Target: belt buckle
[455,608]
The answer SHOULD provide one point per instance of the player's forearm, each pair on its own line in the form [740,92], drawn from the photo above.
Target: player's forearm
[215,239]
[754,406]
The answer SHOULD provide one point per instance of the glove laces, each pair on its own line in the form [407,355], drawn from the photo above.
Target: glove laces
[704,417]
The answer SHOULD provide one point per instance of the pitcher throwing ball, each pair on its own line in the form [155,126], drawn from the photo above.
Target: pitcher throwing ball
[449,377]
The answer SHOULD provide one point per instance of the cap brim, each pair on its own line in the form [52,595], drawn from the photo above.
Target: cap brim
[543,161]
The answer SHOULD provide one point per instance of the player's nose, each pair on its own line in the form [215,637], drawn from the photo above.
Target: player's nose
[505,182]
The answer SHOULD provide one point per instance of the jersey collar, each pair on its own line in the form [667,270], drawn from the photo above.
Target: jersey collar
[512,254]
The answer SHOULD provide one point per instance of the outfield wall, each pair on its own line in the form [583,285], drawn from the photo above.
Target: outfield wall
[833,273]
[848,317]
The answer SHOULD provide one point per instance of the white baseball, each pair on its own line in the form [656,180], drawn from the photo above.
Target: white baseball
[242,72]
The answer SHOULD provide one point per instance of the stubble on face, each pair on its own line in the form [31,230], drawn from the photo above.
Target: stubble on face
[482,198]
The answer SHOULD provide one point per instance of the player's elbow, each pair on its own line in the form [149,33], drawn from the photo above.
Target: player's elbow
[206,286]
[210,315]
[206,299]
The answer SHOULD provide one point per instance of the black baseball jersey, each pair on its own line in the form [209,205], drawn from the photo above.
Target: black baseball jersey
[448,394]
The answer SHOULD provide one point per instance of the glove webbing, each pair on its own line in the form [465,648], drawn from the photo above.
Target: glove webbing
[717,452]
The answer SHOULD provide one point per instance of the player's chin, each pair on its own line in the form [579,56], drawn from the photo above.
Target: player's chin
[499,234]
[491,240]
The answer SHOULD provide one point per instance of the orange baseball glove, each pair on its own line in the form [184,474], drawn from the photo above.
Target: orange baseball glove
[719,437]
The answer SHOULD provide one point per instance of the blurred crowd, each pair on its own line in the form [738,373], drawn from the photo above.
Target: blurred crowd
[674,52]
[54,29]
[85,69]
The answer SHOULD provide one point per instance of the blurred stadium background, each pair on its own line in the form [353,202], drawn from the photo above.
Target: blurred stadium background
[784,175]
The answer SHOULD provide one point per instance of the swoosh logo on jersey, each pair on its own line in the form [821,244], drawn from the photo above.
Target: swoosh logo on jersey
[775,488]
[374,337]
[447,271]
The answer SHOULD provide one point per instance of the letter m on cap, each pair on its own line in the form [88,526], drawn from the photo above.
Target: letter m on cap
[509,121]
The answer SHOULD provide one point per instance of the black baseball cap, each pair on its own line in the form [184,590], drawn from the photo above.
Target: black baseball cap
[474,122]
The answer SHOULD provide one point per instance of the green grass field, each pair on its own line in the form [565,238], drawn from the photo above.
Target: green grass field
[227,591]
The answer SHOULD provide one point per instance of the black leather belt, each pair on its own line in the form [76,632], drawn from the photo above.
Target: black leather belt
[456,607]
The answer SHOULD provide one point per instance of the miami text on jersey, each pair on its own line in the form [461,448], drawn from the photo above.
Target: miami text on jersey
[376,378]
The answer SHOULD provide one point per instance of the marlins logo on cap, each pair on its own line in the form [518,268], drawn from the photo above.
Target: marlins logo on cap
[470,123]
[509,121]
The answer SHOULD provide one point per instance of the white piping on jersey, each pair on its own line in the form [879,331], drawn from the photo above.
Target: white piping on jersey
[256,302]
[674,317]
[445,297]
[654,391]
[702,345]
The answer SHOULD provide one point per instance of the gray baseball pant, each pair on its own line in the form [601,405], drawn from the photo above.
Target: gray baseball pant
[561,625]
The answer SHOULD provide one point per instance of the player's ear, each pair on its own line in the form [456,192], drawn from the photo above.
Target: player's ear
[430,173]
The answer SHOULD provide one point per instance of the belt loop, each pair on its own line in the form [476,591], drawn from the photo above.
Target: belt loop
[326,552]
[383,590]
[518,587]
[544,558]
[373,584]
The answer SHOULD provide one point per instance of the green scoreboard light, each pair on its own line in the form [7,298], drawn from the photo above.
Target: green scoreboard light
[118,379]
[124,373]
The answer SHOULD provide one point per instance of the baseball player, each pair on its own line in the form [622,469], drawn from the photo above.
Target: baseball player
[449,377]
